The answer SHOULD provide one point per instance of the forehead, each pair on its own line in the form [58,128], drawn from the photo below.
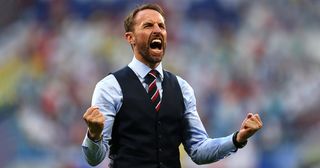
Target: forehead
[148,15]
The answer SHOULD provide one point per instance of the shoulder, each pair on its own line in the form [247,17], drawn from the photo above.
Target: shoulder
[187,92]
[184,85]
[108,84]
[109,79]
[107,88]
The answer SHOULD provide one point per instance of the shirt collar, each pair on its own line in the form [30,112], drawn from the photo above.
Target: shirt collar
[142,70]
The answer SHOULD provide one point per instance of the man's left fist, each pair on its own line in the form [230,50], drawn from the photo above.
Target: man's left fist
[250,125]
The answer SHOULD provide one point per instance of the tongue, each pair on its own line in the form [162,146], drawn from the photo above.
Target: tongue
[153,45]
[155,49]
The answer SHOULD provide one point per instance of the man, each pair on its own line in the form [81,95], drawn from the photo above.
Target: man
[141,113]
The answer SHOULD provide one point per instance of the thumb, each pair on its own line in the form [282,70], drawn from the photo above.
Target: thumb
[243,125]
[95,107]
[249,115]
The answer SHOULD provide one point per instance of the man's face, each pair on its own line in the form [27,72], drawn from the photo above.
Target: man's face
[150,36]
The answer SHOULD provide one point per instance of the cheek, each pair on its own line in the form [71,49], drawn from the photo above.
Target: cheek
[165,36]
[142,37]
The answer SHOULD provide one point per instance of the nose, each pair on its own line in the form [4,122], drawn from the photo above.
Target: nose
[156,28]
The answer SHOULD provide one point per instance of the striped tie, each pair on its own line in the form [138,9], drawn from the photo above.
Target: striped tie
[153,92]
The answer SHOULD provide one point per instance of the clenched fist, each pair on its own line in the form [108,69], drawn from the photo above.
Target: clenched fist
[250,125]
[95,121]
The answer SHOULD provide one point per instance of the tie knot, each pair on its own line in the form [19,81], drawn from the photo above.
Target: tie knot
[153,73]
[151,76]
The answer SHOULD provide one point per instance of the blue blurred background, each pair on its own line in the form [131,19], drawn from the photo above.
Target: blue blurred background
[239,55]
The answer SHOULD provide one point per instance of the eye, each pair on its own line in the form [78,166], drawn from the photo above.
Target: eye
[162,26]
[147,25]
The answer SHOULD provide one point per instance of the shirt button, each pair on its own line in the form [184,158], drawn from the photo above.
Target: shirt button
[160,149]
[159,123]
[159,136]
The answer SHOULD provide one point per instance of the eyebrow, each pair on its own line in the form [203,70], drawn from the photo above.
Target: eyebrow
[152,22]
[146,23]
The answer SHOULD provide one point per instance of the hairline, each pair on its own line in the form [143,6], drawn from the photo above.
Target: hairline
[132,15]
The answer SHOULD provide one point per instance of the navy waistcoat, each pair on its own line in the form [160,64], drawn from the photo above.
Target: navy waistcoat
[142,137]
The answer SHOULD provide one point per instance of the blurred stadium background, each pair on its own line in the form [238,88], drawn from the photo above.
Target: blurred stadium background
[239,55]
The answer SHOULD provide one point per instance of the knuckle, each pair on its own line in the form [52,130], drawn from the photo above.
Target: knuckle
[89,110]
[86,117]
[258,127]
[85,114]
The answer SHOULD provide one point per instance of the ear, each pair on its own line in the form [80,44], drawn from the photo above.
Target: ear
[130,38]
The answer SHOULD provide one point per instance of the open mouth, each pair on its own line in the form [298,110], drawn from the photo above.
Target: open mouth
[156,44]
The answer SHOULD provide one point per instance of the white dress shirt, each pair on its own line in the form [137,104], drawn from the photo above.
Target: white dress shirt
[108,97]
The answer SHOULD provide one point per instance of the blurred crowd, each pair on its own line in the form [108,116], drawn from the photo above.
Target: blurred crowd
[239,56]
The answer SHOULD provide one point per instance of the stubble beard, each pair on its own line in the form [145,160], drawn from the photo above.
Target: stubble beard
[144,51]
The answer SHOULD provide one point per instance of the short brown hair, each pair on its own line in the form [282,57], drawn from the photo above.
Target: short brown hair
[129,21]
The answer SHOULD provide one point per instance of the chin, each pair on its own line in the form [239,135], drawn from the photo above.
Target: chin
[157,58]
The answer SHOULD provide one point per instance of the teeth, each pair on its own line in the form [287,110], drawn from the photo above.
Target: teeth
[156,41]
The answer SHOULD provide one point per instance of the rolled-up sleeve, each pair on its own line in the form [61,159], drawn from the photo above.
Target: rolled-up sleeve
[108,97]
[197,144]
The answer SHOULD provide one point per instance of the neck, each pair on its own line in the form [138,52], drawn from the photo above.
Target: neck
[150,64]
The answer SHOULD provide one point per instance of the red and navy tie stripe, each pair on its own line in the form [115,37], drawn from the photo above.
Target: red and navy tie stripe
[153,91]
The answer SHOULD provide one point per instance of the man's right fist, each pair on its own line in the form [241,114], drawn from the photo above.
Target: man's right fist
[95,121]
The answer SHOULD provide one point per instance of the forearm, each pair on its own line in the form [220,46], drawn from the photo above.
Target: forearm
[94,152]
[212,150]
[198,145]
[107,97]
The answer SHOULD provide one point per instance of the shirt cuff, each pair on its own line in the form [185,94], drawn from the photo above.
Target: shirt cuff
[88,143]
[229,145]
